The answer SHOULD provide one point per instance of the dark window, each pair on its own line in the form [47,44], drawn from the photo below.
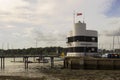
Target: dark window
[91,39]
[82,49]
[82,38]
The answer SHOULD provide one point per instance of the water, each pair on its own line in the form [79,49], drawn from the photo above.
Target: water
[18,69]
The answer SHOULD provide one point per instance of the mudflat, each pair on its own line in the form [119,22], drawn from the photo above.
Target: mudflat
[67,74]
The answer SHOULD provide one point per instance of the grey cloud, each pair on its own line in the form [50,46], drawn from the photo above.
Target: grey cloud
[42,36]
[113,33]
[4,13]
[31,1]
[24,8]
[41,15]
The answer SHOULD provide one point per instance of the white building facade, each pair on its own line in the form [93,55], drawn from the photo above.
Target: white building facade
[82,42]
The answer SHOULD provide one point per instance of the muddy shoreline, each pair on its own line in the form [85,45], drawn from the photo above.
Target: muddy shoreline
[67,74]
[20,78]
[59,73]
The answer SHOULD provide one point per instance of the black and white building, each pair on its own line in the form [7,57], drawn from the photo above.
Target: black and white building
[82,42]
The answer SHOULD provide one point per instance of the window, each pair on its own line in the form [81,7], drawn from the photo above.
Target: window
[93,49]
[82,38]
[93,38]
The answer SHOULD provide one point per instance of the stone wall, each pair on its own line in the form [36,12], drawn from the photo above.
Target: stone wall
[91,63]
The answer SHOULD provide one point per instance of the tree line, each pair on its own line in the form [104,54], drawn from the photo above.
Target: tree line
[35,51]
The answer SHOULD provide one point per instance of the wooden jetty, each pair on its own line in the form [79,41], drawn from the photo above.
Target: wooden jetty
[25,59]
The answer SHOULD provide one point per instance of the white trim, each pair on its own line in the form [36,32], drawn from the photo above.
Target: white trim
[82,44]
[75,54]
[80,54]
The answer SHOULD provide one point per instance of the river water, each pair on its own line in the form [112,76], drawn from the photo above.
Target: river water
[18,68]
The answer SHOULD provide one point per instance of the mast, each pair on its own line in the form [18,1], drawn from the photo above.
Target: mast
[73,18]
[113,43]
[36,45]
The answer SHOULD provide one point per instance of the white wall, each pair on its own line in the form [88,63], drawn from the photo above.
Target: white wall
[80,30]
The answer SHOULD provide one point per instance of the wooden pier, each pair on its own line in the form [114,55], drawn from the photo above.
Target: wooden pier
[2,62]
[25,59]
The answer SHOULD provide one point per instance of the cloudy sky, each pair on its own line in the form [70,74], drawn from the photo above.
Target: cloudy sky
[22,22]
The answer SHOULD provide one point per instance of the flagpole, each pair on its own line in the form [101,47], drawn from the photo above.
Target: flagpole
[74,17]
[79,14]
[73,26]
[84,18]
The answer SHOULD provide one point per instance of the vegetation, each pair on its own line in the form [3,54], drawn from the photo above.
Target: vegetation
[34,51]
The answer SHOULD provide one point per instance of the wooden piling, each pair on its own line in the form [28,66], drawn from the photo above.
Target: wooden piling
[39,59]
[14,59]
[34,59]
[52,62]
[26,62]
[25,59]
[2,62]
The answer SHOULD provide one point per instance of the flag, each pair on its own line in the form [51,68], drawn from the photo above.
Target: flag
[78,14]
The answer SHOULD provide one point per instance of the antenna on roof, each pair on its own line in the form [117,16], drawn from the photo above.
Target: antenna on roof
[74,17]
[8,46]
[84,18]
[2,46]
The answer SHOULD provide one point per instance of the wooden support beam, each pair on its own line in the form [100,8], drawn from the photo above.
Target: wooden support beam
[26,62]
[39,59]
[14,59]
[34,59]
[2,62]
[52,62]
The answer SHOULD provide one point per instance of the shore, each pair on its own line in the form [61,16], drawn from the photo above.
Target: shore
[58,73]
[19,78]
[67,74]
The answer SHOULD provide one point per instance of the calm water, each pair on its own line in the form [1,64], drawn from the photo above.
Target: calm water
[18,69]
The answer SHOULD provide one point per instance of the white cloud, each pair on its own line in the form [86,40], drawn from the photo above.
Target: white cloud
[51,19]
[10,5]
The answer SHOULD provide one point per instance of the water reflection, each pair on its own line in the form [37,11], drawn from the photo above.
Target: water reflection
[18,68]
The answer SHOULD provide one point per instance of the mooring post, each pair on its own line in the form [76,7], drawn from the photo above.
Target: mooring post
[39,59]
[34,59]
[14,59]
[52,62]
[23,59]
[3,62]
[64,64]
[26,62]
